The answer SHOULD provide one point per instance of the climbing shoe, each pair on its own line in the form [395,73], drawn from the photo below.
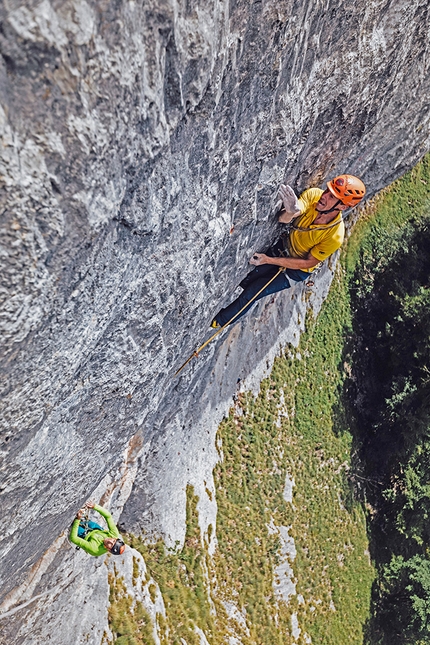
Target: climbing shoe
[214,324]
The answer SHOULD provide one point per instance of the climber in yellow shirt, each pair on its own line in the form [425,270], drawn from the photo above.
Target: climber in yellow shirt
[316,232]
[311,238]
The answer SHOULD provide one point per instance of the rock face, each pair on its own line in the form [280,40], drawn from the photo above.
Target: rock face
[142,147]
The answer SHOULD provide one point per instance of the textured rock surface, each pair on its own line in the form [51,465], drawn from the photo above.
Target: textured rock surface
[142,147]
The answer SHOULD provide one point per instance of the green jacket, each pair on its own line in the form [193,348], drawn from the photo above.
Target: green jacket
[93,542]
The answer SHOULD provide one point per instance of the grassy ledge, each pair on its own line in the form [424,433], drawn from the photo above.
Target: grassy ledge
[181,576]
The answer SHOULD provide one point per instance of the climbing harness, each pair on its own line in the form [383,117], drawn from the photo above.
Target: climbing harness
[199,349]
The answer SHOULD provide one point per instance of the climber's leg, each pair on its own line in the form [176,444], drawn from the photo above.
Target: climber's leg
[279,283]
[283,281]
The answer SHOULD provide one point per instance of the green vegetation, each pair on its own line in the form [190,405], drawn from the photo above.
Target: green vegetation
[129,621]
[181,577]
[390,392]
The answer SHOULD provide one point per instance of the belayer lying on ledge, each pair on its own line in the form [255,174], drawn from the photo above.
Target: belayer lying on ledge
[93,538]
[316,232]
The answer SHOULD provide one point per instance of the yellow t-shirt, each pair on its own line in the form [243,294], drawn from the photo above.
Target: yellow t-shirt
[321,242]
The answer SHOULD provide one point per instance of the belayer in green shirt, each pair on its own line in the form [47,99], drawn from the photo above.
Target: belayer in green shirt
[94,539]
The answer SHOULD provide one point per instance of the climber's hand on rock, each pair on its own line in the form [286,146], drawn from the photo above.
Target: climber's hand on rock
[259,258]
[90,504]
[289,200]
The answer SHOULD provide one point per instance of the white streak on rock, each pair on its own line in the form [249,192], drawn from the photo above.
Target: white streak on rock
[295,629]
[288,489]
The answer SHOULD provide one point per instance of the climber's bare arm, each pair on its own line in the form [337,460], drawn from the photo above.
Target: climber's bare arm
[286,218]
[288,263]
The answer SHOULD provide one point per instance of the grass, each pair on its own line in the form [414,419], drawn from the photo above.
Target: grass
[181,576]
[379,233]
[129,621]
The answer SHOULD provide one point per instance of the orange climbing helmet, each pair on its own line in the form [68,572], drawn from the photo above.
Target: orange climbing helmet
[347,188]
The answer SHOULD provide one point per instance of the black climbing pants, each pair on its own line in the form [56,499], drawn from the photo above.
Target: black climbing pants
[255,280]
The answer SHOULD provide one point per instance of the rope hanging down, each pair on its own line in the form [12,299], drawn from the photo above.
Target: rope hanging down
[199,349]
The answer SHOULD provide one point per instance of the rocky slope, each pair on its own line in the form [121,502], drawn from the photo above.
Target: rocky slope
[142,147]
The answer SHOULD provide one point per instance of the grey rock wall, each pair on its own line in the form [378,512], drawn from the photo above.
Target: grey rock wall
[142,144]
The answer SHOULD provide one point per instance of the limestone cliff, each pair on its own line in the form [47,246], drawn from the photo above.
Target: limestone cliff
[142,145]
